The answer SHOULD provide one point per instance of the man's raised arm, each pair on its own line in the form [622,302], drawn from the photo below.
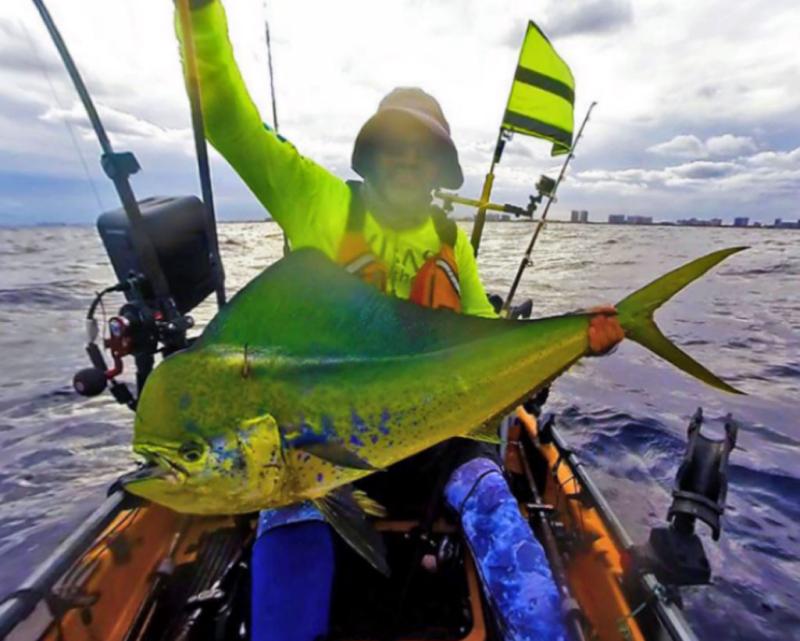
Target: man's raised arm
[284,181]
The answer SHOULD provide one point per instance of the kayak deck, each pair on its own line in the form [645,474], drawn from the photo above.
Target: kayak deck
[149,574]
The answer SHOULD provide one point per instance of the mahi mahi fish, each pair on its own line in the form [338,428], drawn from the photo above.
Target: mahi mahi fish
[310,379]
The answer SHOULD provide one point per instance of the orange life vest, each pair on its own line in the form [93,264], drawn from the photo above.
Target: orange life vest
[435,284]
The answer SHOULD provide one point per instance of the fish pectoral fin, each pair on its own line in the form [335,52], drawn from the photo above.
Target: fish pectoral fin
[343,513]
[485,433]
[335,453]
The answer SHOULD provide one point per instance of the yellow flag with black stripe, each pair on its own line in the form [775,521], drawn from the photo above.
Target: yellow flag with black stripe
[542,96]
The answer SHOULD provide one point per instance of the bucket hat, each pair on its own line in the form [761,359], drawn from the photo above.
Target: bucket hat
[401,108]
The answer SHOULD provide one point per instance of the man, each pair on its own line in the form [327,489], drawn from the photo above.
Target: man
[386,231]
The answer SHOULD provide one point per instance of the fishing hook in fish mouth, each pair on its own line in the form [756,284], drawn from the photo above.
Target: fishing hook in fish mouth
[145,472]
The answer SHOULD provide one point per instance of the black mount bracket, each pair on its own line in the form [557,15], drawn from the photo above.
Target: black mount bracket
[675,554]
[119,166]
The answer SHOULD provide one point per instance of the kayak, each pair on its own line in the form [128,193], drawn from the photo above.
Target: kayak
[138,571]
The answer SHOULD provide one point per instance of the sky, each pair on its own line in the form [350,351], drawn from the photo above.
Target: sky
[698,102]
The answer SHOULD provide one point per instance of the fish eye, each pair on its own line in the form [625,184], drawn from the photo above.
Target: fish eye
[191,452]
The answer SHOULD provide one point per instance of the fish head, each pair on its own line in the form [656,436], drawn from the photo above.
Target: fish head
[201,456]
[237,472]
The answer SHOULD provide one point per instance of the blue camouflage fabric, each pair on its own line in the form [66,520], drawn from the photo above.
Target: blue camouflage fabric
[298,513]
[512,564]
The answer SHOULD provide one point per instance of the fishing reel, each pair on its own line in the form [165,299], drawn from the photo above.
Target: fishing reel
[137,330]
[675,554]
[146,324]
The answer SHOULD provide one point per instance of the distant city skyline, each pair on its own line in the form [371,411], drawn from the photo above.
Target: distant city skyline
[696,117]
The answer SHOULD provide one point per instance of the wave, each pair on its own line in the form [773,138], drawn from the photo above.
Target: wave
[788,370]
[789,269]
[43,296]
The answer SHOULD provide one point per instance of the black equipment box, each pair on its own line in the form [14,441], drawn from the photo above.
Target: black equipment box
[178,228]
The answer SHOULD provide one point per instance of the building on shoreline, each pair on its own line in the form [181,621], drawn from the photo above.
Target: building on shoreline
[697,222]
[739,221]
[620,219]
[494,217]
[579,216]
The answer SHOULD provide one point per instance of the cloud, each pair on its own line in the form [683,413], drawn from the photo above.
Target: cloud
[762,186]
[19,52]
[122,127]
[732,94]
[776,159]
[588,17]
[762,173]
[690,146]
[20,60]
[702,170]
[729,145]
[685,146]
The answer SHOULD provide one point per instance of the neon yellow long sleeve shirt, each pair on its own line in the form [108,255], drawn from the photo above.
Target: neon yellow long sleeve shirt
[309,203]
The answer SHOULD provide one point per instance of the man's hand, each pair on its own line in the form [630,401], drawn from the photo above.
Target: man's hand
[604,329]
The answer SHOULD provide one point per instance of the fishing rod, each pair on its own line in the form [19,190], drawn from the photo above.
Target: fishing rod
[117,166]
[152,315]
[164,252]
[120,166]
[550,194]
[200,146]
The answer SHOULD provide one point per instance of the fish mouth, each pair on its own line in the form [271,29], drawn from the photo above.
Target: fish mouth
[156,467]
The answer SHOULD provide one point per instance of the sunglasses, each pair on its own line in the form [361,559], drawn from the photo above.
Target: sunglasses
[397,147]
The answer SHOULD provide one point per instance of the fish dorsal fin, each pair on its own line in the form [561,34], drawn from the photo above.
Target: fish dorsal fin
[308,306]
[343,513]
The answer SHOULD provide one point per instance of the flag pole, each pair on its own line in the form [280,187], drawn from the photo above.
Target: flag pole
[526,259]
[486,193]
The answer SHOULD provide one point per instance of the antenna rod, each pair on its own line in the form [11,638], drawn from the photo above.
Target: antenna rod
[286,248]
[526,259]
[271,73]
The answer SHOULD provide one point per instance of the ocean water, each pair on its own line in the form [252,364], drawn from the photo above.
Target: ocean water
[625,414]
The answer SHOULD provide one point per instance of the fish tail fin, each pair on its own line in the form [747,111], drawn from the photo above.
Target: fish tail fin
[635,314]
